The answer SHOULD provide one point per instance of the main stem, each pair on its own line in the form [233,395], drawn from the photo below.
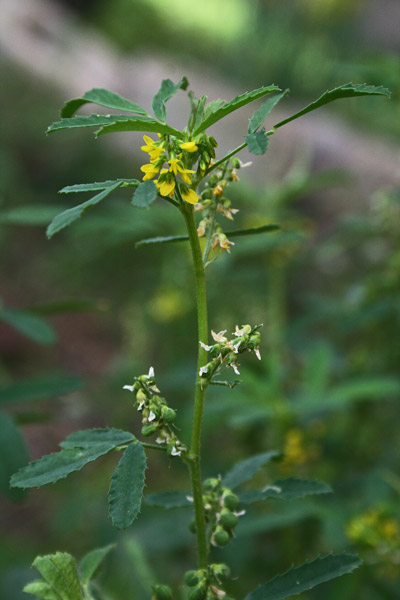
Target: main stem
[193,457]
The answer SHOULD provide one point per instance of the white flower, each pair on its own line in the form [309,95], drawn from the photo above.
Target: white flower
[152,416]
[257,353]
[141,404]
[175,451]
[207,348]
[203,370]
[128,387]
[219,337]
[151,372]
[235,368]
[236,347]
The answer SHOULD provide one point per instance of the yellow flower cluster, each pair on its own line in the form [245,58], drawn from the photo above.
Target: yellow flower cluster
[167,177]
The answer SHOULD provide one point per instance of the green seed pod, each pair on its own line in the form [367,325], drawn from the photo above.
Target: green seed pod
[228,519]
[192,526]
[210,484]
[230,500]
[192,578]
[162,592]
[235,162]
[205,156]
[221,572]
[221,537]
[199,592]
[254,340]
[141,396]
[149,429]
[213,141]
[168,414]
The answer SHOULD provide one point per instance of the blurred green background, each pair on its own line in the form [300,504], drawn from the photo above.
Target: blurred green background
[84,313]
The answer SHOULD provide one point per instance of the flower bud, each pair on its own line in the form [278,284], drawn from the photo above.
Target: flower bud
[211,484]
[254,340]
[213,141]
[162,592]
[220,571]
[141,396]
[149,429]
[168,414]
[207,194]
[230,500]
[199,592]
[228,519]
[221,537]
[192,578]
[235,162]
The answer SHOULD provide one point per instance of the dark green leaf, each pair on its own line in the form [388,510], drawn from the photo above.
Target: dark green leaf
[139,124]
[349,90]
[262,113]
[86,121]
[102,97]
[169,499]
[286,489]
[126,491]
[307,576]
[52,467]
[167,90]
[91,438]
[34,215]
[145,194]
[72,214]
[228,107]
[91,562]
[97,185]
[38,389]
[13,453]
[253,230]
[257,143]
[246,469]
[41,589]
[162,240]
[30,325]
[60,572]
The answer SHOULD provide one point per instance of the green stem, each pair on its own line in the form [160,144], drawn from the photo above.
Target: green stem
[222,160]
[193,458]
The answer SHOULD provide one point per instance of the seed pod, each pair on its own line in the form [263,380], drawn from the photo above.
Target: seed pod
[141,396]
[168,414]
[220,571]
[162,592]
[211,484]
[192,578]
[228,519]
[149,429]
[212,141]
[235,162]
[221,537]
[199,592]
[230,500]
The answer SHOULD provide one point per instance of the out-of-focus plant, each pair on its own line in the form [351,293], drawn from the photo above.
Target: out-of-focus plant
[184,171]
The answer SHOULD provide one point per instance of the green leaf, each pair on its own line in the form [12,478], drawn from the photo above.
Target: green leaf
[41,589]
[262,113]
[257,143]
[286,489]
[126,491]
[97,185]
[52,467]
[184,238]
[33,215]
[139,124]
[91,562]
[102,97]
[60,572]
[72,214]
[85,121]
[169,499]
[13,453]
[167,90]
[246,469]
[90,438]
[349,90]
[145,194]
[38,389]
[228,107]
[307,576]
[30,325]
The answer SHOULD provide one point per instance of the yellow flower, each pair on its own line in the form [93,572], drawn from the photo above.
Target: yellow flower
[190,196]
[185,175]
[166,188]
[150,171]
[152,148]
[189,146]
[175,165]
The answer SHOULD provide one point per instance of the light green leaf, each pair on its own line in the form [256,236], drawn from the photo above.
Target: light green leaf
[145,194]
[72,214]
[257,143]
[228,107]
[38,389]
[246,469]
[184,238]
[167,90]
[60,572]
[139,124]
[13,453]
[41,589]
[91,562]
[91,438]
[102,97]
[33,215]
[52,467]
[86,121]
[169,499]
[262,113]
[286,489]
[126,491]
[348,90]
[307,576]
[97,185]
[30,325]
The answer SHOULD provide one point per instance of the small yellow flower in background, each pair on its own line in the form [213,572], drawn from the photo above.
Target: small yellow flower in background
[189,146]
[190,196]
